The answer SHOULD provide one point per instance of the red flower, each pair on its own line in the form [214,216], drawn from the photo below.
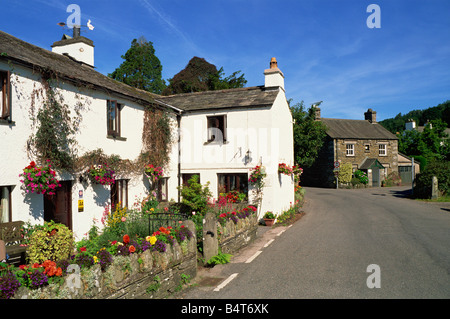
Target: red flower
[132,249]
[113,243]
[23,267]
[83,249]
[126,239]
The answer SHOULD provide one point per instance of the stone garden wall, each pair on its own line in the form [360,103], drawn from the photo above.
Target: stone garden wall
[150,274]
[233,237]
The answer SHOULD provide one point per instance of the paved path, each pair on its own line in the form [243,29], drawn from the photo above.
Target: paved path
[326,254]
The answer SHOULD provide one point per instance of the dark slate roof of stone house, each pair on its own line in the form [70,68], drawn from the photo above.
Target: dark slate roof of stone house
[251,97]
[370,163]
[356,129]
[16,50]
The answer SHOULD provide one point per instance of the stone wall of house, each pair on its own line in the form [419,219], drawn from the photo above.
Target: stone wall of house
[389,161]
[148,275]
[233,237]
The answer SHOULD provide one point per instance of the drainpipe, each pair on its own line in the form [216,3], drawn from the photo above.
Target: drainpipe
[179,155]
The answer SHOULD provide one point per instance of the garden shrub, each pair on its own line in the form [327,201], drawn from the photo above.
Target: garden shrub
[195,195]
[362,177]
[345,173]
[53,241]
[440,169]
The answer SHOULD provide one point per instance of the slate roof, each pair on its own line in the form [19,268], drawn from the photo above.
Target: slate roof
[356,129]
[32,56]
[256,96]
[370,163]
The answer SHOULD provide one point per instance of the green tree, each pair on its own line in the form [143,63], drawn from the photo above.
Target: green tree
[309,135]
[200,75]
[141,69]
[431,143]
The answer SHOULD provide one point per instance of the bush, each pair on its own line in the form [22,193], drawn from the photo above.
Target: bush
[195,195]
[345,173]
[440,169]
[51,242]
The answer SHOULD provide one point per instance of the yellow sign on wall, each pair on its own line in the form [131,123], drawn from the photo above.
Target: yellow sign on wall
[80,205]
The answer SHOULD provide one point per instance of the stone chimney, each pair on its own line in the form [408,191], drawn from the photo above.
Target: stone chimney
[79,48]
[273,76]
[370,116]
[317,113]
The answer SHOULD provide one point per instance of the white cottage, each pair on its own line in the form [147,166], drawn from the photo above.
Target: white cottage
[223,134]
[226,133]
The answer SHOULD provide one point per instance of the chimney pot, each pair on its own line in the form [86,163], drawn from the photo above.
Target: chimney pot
[370,116]
[273,63]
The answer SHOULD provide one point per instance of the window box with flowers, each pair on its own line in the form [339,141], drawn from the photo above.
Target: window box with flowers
[101,174]
[39,179]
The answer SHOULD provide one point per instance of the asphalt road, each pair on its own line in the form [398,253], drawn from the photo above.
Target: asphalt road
[328,252]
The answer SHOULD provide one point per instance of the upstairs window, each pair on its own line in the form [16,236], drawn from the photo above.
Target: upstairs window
[5,104]
[382,150]
[217,126]
[350,149]
[113,118]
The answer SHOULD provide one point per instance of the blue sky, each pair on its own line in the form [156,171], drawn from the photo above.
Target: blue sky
[324,47]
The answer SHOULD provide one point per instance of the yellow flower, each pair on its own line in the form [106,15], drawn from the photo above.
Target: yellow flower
[151,239]
[95,259]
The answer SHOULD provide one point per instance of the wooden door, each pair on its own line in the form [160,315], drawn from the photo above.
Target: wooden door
[58,207]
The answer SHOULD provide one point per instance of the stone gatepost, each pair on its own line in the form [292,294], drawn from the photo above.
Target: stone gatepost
[210,240]
[434,188]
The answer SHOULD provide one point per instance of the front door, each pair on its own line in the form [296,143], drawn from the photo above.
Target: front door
[58,207]
[375,177]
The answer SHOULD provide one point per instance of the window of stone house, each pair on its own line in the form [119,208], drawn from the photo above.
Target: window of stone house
[5,104]
[350,149]
[217,126]
[366,148]
[113,118]
[5,204]
[382,149]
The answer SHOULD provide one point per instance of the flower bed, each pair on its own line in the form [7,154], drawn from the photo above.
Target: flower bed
[51,273]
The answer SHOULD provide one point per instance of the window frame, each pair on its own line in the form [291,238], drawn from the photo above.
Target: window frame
[163,182]
[5,97]
[119,193]
[227,177]
[113,125]
[222,126]
[185,177]
[350,151]
[9,199]
[382,149]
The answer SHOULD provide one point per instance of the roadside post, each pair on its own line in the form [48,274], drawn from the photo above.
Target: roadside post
[336,169]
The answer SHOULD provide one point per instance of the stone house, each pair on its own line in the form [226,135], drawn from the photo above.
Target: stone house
[219,135]
[365,144]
